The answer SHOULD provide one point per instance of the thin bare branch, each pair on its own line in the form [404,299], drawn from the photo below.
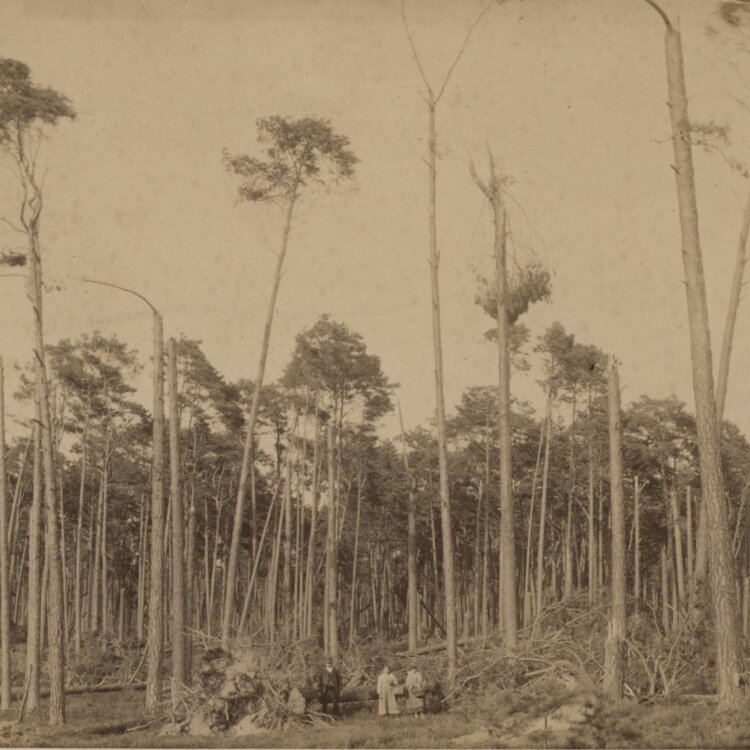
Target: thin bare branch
[463,47]
[414,53]
[122,289]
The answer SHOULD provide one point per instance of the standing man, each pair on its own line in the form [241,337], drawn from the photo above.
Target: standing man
[329,685]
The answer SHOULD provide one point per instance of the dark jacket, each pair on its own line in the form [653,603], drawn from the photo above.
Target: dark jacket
[329,680]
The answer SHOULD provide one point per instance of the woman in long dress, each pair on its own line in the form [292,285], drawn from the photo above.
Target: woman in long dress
[387,682]
[414,691]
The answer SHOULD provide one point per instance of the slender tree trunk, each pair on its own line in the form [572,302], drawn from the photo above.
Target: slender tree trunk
[637,551]
[476,586]
[664,589]
[614,648]
[287,580]
[79,544]
[527,583]
[5,693]
[258,554]
[493,193]
[178,529]
[105,579]
[310,573]
[543,507]
[689,540]
[190,585]
[143,569]
[593,592]
[55,602]
[679,565]
[568,543]
[355,560]
[156,583]
[234,549]
[331,596]
[445,501]
[729,666]
[34,606]
[412,600]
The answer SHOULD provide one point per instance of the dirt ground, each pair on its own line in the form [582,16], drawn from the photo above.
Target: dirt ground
[486,720]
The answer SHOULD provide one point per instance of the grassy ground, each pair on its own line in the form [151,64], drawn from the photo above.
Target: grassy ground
[628,726]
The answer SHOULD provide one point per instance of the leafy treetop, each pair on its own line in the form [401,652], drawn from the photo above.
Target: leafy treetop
[296,152]
[22,103]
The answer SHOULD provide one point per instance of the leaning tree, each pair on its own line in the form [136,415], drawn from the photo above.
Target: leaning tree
[299,154]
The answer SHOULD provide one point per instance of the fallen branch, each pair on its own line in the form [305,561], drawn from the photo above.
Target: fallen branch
[437,647]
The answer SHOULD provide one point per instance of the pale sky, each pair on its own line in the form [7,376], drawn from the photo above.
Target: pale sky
[570,95]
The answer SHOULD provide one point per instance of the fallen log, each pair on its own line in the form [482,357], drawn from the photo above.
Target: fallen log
[80,689]
[437,647]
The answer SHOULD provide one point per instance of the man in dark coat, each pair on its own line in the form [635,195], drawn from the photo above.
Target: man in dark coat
[329,687]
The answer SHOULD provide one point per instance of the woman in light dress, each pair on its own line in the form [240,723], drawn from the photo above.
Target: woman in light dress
[414,685]
[387,683]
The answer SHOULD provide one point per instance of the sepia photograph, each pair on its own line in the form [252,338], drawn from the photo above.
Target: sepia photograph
[373,373]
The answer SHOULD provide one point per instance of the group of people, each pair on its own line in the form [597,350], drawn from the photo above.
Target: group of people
[329,687]
[413,689]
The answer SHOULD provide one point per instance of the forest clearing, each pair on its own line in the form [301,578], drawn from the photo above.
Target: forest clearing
[345,404]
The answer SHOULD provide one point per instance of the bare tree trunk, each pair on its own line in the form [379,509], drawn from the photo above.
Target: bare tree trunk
[637,551]
[493,192]
[310,572]
[55,602]
[412,600]
[331,596]
[543,508]
[34,607]
[105,581]
[567,538]
[5,693]
[528,595]
[476,586]
[614,648]
[593,592]
[729,666]
[178,520]
[287,580]
[79,545]
[664,589]
[689,523]
[445,502]
[156,584]
[234,549]
[355,560]
[190,586]
[143,568]
[679,566]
